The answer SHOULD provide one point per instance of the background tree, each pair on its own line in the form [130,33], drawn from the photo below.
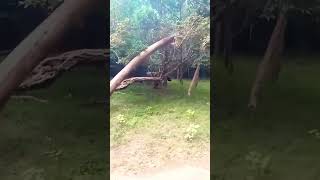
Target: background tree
[232,18]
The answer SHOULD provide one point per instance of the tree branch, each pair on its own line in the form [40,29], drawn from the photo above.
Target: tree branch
[50,67]
[125,83]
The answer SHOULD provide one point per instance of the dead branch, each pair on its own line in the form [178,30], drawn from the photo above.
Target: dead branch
[125,83]
[50,67]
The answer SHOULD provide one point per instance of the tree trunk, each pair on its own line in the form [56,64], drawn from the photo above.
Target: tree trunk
[32,50]
[138,60]
[195,80]
[181,61]
[178,75]
[181,75]
[269,67]
[165,62]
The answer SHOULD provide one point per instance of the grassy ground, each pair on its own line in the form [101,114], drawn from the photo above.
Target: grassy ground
[63,139]
[150,127]
[276,142]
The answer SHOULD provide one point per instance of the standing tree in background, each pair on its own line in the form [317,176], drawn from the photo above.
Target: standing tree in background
[270,66]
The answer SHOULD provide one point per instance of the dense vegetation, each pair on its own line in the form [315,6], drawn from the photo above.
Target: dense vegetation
[137,24]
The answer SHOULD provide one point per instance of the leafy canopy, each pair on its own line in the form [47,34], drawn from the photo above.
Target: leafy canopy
[137,24]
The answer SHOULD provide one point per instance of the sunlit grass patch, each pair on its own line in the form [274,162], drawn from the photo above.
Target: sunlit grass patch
[142,107]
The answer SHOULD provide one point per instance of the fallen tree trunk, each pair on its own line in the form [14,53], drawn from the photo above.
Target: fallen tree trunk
[195,80]
[125,83]
[138,60]
[269,67]
[52,66]
[36,47]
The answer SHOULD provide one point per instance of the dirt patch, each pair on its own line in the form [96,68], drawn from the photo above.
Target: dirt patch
[182,172]
[144,155]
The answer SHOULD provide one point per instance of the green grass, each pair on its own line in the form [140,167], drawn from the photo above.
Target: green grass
[273,143]
[142,109]
[63,139]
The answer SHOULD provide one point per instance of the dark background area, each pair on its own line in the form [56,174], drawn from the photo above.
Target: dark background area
[301,37]
[17,22]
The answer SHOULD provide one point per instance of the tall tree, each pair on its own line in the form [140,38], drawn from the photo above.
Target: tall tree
[269,68]
[195,80]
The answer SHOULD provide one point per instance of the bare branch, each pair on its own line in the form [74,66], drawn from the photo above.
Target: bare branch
[125,83]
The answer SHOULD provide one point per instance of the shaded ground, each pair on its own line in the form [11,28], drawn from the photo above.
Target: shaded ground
[64,139]
[150,129]
[276,142]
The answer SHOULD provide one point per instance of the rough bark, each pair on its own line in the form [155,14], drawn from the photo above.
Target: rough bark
[50,67]
[195,80]
[269,67]
[32,50]
[125,83]
[138,60]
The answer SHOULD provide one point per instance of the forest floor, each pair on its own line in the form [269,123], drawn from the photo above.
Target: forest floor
[157,129]
[281,140]
[63,139]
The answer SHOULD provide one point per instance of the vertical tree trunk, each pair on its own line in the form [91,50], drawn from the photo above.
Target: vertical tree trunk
[178,75]
[195,80]
[32,50]
[269,67]
[181,75]
[138,60]
[164,67]
[181,59]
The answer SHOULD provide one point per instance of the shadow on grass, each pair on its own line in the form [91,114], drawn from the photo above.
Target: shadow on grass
[275,142]
[60,139]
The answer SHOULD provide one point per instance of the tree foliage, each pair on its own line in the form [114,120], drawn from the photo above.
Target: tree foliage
[138,23]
